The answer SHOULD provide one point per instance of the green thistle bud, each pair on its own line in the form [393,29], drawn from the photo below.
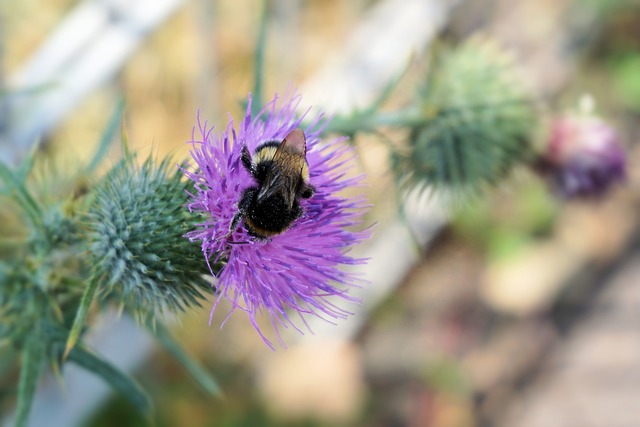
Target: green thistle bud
[479,121]
[136,244]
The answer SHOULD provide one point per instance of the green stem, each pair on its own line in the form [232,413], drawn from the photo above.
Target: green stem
[371,122]
[32,357]
[409,117]
[257,98]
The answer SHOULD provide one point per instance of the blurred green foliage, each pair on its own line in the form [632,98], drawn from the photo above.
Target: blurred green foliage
[626,77]
[504,221]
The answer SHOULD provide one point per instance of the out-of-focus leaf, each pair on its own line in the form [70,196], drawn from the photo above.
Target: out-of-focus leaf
[32,357]
[197,371]
[25,167]
[107,137]
[120,381]
[23,197]
[627,83]
[81,315]
[388,89]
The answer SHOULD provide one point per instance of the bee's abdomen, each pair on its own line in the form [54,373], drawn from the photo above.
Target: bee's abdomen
[271,216]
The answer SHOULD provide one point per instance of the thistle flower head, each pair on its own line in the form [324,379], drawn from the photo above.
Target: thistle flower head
[583,156]
[298,271]
[135,228]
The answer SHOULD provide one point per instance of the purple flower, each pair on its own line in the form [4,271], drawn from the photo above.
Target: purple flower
[584,157]
[299,271]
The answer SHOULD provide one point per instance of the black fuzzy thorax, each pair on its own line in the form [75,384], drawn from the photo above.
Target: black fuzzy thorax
[281,177]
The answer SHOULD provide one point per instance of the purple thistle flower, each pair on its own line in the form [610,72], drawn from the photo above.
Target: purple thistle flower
[298,271]
[583,157]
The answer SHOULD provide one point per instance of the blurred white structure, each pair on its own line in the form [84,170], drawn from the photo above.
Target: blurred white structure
[85,51]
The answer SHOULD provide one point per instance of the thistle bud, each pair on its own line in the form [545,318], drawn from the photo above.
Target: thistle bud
[583,156]
[478,120]
[137,249]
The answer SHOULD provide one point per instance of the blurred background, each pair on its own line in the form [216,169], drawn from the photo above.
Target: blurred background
[518,309]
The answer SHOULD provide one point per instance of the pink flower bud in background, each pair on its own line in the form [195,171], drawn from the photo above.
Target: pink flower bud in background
[583,157]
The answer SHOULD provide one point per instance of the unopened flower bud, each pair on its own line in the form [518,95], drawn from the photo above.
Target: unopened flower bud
[135,229]
[583,156]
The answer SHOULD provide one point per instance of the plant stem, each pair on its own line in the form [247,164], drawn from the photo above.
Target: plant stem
[369,122]
[258,84]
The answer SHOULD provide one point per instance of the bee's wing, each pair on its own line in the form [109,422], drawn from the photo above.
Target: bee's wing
[288,162]
[295,142]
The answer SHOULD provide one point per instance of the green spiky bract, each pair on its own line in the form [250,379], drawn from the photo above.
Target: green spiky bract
[136,245]
[480,121]
[38,278]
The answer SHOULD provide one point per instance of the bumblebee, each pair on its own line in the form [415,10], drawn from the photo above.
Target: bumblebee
[281,172]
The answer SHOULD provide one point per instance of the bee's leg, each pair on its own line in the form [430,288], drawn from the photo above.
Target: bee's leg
[296,211]
[247,196]
[234,222]
[245,157]
[243,206]
[307,191]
